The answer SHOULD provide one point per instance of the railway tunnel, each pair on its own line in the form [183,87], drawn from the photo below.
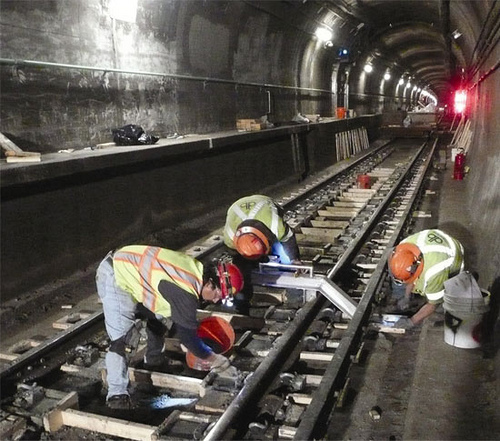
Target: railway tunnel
[245,97]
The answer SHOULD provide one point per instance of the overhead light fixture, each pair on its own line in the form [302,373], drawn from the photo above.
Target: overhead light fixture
[324,34]
[455,34]
[368,68]
[124,10]
[401,81]
[328,43]
[387,76]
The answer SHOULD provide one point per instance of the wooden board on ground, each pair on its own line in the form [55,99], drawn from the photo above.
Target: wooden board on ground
[107,425]
[335,216]
[342,210]
[309,240]
[325,234]
[329,224]
[166,381]
[349,204]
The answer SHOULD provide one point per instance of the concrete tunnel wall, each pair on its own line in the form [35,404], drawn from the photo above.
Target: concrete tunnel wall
[62,216]
[47,108]
[204,65]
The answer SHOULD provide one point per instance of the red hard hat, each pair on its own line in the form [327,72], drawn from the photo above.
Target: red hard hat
[251,243]
[230,277]
[406,263]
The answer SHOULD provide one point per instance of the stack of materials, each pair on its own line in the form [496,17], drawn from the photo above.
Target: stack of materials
[465,305]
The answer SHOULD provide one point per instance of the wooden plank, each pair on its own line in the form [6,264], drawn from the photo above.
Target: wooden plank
[353,198]
[349,204]
[286,432]
[158,379]
[325,235]
[329,232]
[316,356]
[310,240]
[360,191]
[342,210]
[107,425]
[300,398]
[336,216]
[313,380]
[13,159]
[329,224]
[53,420]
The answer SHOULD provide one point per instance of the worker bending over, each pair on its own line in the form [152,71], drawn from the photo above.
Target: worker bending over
[146,282]
[255,228]
[254,231]
[421,264]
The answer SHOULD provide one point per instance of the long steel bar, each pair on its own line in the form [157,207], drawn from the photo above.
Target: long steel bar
[38,351]
[35,353]
[315,412]
[262,373]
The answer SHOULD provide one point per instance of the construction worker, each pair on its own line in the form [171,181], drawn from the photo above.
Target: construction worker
[146,282]
[421,264]
[255,228]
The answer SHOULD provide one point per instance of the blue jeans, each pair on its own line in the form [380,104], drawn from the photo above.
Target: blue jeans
[120,309]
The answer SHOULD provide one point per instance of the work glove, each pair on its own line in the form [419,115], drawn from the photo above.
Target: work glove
[219,363]
[404,323]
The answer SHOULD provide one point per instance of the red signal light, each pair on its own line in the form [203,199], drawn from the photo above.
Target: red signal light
[460,101]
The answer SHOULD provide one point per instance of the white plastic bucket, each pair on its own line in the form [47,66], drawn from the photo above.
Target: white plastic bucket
[465,330]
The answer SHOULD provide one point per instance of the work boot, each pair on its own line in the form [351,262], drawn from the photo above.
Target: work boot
[120,402]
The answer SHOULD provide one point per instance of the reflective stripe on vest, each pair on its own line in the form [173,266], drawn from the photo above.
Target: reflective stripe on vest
[142,268]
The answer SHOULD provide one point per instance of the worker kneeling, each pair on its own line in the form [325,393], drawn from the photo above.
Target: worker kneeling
[146,282]
[421,264]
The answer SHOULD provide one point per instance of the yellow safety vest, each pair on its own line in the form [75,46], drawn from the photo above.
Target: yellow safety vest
[443,258]
[139,269]
[258,207]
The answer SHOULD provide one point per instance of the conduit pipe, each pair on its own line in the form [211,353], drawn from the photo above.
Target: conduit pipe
[14,62]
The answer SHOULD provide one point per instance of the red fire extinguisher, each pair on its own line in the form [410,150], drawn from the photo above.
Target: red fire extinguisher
[458,171]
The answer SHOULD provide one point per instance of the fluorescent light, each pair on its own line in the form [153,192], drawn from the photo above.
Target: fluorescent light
[125,10]
[387,76]
[368,68]
[401,81]
[324,34]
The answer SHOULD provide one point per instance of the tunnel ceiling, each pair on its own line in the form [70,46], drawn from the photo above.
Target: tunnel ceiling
[415,35]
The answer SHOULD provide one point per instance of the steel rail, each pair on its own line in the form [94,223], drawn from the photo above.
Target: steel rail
[318,409]
[289,203]
[261,375]
[37,352]
[34,354]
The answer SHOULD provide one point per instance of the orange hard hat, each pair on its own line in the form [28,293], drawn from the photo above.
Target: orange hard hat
[251,242]
[230,278]
[406,263]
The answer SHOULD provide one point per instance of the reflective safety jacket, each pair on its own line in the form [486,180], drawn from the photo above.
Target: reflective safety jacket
[139,269]
[443,258]
[258,207]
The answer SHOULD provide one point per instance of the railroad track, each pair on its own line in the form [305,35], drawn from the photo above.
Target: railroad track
[293,352]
